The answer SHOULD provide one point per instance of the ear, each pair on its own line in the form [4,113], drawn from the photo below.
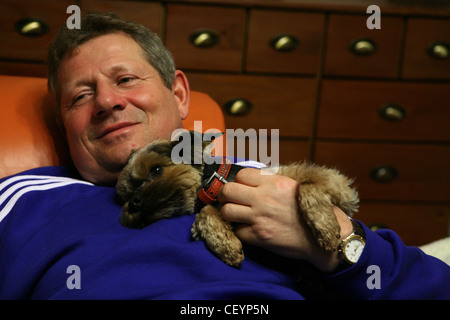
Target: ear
[182,92]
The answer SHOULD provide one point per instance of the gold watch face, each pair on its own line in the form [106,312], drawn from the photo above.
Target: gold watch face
[353,248]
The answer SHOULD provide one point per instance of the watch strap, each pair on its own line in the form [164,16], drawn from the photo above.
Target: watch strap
[343,263]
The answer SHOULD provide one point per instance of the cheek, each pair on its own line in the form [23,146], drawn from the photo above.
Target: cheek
[161,112]
[145,100]
[75,125]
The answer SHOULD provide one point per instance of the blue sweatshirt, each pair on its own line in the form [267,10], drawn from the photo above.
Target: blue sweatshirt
[60,238]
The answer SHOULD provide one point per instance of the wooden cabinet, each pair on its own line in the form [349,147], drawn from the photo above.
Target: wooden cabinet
[356,51]
[427,49]
[149,14]
[28,27]
[273,102]
[205,38]
[416,223]
[371,102]
[391,171]
[26,30]
[284,42]
[384,110]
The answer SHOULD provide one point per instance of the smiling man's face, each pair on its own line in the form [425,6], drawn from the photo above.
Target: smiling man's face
[114,101]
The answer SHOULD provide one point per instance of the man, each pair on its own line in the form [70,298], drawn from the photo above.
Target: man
[117,89]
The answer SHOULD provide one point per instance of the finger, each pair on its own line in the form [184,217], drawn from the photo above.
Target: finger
[236,193]
[236,213]
[245,233]
[249,176]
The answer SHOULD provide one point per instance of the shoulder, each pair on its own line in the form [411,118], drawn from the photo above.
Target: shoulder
[54,171]
[14,189]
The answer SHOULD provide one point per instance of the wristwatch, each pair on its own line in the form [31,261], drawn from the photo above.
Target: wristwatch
[351,248]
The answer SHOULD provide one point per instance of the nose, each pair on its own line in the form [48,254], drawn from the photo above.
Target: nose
[135,203]
[107,100]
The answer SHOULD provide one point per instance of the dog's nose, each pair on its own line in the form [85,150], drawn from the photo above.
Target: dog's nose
[135,203]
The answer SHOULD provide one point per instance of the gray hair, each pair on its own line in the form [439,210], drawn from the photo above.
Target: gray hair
[97,24]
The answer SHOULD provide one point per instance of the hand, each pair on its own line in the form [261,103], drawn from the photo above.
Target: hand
[266,207]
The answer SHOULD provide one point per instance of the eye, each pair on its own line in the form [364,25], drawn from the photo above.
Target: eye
[80,99]
[125,80]
[156,171]
[77,98]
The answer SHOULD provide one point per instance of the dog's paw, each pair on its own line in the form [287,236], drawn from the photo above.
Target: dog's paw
[324,225]
[231,253]
[195,232]
[329,241]
[219,239]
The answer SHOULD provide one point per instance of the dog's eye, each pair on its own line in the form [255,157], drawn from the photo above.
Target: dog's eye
[156,171]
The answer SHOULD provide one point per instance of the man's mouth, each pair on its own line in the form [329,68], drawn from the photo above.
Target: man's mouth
[116,127]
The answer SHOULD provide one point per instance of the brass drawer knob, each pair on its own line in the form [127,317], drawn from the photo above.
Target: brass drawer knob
[363,47]
[392,112]
[204,39]
[384,174]
[31,27]
[238,107]
[284,42]
[439,50]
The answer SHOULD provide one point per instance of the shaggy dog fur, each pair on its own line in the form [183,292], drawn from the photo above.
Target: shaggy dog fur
[152,188]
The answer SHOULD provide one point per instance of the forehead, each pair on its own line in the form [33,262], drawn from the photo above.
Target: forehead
[110,42]
[108,52]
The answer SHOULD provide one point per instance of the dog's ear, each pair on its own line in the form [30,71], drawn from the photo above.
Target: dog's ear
[195,147]
[212,145]
[202,146]
[186,147]
[210,136]
[132,153]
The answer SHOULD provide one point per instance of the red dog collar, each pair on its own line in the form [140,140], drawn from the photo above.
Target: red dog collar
[208,194]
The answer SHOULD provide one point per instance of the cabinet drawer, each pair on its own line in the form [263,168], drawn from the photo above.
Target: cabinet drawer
[47,16]
[294,151]
[145,13]
[391,171]
[284,42]
[386,111]
[416,224]
[205,38]
[355,50]
[282,103]
[287,150]
[427,49]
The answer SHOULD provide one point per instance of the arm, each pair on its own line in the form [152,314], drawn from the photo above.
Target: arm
[267,208]
[399,271]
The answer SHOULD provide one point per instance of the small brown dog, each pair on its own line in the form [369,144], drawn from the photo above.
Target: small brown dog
[152,187]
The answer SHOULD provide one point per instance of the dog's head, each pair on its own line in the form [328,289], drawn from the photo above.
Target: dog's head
[152,187]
